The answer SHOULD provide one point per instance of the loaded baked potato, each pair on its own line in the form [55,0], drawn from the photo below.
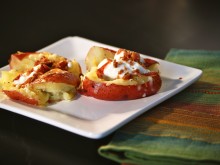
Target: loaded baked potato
[121,75]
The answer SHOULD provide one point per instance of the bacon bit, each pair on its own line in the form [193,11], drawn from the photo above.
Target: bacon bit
[127,76]
[52,64]
[121,71]
[148,62]
[61,65]
[130,55]
[43,60]
[43,69]
[137,71]
[115,63]
[135,56]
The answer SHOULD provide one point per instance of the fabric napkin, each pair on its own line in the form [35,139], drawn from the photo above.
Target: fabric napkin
[182,130]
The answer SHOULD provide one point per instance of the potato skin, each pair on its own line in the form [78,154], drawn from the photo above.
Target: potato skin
[58,76]
[21,55]
[16,59]
[115,92]
[15,95]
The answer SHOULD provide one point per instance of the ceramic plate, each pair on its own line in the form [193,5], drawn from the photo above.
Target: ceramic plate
[94,118]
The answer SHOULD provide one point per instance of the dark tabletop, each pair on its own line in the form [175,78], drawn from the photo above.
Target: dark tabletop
[150,27]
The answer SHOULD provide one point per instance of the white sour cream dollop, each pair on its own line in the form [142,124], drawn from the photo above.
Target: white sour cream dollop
[123,67]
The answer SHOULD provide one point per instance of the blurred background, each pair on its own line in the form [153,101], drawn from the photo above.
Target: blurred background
[147,26]
[150,27]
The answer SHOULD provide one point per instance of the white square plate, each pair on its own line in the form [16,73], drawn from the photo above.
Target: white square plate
[94,118]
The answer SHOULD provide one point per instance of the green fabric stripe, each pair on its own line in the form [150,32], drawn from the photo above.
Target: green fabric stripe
[207,61]
[167,150]
[200,59]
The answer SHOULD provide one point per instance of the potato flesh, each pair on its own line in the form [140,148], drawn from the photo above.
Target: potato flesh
[96,55]
[135,81]
[57,91]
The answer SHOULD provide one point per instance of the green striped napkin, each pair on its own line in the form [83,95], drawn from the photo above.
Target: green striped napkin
[182,130]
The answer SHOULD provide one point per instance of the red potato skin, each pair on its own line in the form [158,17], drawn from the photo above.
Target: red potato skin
[15,95]
[109,50]
[58,76]
[120,92]
[19,56]
[149,62]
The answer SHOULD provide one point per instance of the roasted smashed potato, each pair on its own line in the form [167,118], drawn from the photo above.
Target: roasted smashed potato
[121,75]
[40,78]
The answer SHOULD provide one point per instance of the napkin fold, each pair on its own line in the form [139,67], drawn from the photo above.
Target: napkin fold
[182,130]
